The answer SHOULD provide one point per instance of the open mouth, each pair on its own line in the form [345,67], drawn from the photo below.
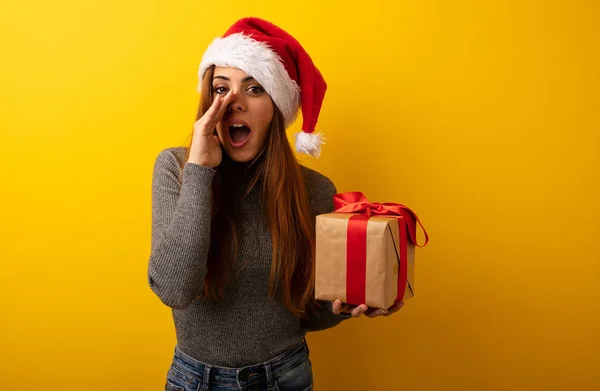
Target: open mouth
[239,134]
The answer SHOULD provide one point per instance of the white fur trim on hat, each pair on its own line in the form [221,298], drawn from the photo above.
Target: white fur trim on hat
[309,143]
[259,61]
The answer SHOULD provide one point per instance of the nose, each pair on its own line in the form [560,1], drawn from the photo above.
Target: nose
[238,103]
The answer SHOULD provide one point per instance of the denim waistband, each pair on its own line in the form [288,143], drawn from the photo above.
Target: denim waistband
[244,376]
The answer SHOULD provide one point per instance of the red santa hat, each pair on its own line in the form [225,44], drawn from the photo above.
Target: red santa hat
[279,63]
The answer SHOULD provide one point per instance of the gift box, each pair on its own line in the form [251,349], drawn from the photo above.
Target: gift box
[365,252]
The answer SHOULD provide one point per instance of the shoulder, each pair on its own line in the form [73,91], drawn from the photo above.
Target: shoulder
[320,190]
[168,165]
[317,182]
[171,159]
[172,154]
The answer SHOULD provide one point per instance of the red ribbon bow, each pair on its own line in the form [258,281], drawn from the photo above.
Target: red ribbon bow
[355,202]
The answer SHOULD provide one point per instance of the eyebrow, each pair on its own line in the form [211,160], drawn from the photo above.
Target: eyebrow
[248,78]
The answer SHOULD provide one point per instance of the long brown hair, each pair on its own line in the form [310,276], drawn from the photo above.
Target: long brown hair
[289,217]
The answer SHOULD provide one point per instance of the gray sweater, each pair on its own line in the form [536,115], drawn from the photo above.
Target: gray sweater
[248,326]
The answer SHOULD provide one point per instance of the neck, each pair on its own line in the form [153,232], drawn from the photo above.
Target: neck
[239,179]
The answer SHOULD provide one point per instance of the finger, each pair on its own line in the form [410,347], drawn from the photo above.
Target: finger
[395,308]
[375,312]
[218,107]
[337,307]
[358,311]
[206,124]
[229,97]
[347,308]
[216,103]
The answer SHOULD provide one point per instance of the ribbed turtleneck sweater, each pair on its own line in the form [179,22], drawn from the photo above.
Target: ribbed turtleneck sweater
[247,326]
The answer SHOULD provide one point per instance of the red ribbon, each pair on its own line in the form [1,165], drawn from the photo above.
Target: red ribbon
[356,243]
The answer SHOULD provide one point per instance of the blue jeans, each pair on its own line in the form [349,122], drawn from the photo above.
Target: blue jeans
[290,371]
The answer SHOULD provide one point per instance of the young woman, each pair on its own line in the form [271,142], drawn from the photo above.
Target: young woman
[233,220]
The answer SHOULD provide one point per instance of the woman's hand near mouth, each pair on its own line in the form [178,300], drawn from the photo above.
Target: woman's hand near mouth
[206,145]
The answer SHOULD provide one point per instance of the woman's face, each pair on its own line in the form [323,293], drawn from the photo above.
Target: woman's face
[244,127]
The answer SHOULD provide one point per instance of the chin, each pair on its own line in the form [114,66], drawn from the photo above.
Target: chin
[241,156]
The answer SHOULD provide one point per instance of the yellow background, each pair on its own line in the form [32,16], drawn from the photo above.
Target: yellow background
[480,116]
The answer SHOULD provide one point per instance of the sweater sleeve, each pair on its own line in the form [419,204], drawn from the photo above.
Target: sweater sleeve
[181,214]
[321,191]
[324,318]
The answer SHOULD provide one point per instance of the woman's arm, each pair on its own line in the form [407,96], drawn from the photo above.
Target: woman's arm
[324,318]
[181,219]
[320,191]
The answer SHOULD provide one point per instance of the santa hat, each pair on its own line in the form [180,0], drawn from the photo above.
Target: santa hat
[279,63]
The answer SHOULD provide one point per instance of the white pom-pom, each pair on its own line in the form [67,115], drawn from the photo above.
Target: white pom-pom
[309,143]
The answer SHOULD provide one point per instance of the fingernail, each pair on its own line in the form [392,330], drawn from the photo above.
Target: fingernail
[383,312]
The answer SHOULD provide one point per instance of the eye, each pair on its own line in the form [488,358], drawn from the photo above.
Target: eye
[256,90]
[220,90]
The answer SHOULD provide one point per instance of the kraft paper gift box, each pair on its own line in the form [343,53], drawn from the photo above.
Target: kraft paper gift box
[365,252]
